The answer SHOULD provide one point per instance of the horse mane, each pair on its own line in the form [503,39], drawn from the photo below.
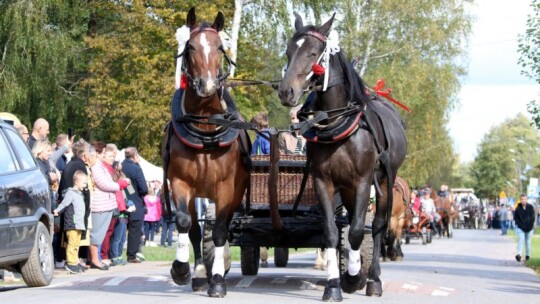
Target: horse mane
[354,85]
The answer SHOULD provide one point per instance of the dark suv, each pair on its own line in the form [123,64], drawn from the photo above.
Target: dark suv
[26,223]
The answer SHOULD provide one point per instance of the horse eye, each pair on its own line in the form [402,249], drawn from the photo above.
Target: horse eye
[312,55]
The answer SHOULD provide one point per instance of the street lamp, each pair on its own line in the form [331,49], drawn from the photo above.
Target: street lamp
[518,168]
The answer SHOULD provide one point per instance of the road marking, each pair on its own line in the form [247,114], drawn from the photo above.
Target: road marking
[279,281]
[157,279]
[409,286]
[115,281]
[246,282]
[440,293]
[308,285]
[447,288]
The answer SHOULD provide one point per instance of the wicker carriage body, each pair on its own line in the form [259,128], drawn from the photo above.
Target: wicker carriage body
[291,172]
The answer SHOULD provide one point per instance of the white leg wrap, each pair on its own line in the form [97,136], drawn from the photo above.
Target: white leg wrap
[182,251]
[219,262]
[332,263]
[354,262]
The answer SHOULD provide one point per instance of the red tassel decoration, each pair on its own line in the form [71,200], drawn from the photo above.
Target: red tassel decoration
[317,69]
[183,82]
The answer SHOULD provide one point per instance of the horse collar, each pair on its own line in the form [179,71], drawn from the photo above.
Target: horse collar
[332,133]
[195,138]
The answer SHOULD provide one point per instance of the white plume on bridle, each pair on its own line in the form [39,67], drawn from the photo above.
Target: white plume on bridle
[182,36]
[332,48]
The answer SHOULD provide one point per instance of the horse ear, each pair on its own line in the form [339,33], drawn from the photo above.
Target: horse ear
[325,28]
[219,22]
[191,20]
[298,23]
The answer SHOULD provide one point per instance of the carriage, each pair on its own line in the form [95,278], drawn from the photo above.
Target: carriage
[205,154]
[252,228]
[417,227]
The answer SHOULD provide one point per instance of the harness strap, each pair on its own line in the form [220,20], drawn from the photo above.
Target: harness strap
[166,161]
[305,176]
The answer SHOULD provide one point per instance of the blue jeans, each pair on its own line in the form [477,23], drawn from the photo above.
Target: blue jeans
[524,237]
[118,238]
[503,227]
[149,230]
[167,232]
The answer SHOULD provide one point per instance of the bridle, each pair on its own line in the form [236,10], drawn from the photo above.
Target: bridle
[185,56]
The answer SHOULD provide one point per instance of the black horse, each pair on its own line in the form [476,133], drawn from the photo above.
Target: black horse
[355,140]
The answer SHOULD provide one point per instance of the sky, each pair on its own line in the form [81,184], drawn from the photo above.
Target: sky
[494,89]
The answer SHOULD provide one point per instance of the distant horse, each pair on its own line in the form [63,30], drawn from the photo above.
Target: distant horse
[360,142]
[202,159]
[401,195]
[444,208]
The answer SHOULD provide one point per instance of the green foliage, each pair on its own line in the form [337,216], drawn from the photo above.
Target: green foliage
[42,61]
[108,66]
[529,49]
[503,156]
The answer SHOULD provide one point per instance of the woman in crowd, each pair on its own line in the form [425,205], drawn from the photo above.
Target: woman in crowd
[103,204]
[42,151]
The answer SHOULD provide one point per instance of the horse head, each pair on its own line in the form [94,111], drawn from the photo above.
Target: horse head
[304,51]
[203,53]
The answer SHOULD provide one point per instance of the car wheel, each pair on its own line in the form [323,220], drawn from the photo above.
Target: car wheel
[38,270]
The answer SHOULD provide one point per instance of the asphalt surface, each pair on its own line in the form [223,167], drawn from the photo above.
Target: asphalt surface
[473,267]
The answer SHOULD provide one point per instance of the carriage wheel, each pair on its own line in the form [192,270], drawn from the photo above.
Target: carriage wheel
[281,256]
[208,244]
[429,236]
[366,249]
[249,260]
[407,240]
[450,230]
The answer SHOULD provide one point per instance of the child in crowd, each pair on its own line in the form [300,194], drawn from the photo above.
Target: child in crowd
[73,208]
[152,216]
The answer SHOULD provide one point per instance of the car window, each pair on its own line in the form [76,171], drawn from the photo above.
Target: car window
[8,163]
[21,149]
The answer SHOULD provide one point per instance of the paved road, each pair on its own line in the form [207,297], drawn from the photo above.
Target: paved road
[474,267]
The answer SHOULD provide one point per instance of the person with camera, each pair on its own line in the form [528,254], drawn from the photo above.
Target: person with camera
[133,171]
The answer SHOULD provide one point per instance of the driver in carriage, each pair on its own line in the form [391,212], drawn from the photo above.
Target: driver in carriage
[428,207]
[415,202]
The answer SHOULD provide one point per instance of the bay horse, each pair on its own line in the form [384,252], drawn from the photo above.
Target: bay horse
[360,143]
[392,244]
[445,208]
[202,159]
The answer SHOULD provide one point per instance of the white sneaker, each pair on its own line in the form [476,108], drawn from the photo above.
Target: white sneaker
[152,244]
[140,256]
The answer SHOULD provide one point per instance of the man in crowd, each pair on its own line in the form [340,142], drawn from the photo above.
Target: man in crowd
[524,217]
[39,131]
[133,171]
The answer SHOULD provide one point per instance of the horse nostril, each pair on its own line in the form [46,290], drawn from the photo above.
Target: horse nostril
[290,92]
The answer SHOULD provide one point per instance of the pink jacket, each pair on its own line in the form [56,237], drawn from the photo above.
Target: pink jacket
[104,195]
[153,205]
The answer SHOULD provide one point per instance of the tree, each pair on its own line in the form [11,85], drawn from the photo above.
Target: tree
[504,154]
[42,61]
[529,49]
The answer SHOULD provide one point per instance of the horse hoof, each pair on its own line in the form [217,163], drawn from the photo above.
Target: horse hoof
[332,291]
[199,284]
[218,287]
[374,289]
[350,284]
[180,273]
[398,258]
